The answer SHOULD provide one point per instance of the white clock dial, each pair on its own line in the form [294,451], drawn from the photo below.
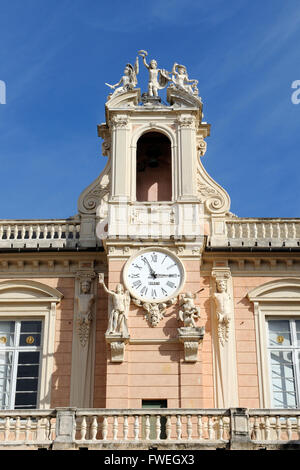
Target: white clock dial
[154,275]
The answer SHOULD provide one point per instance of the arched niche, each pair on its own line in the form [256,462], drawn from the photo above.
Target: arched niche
[153,168]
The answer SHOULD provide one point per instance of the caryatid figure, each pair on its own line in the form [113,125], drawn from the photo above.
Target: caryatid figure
[85,301]
[117,319]
[158,78]
[223,309]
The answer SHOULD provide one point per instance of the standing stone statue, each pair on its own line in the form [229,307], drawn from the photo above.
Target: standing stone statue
[181,80]
[189,312]
[117,320]
[223,309]
[158,78]
[128,81]
[85,301]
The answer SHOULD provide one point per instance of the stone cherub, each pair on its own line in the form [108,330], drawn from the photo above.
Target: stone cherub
[188,312]
[128,81]
[181,80]
[85,301]
[223,309]
[158,78]
[118,316]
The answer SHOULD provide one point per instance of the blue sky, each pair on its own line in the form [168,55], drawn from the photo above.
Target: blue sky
[55,57]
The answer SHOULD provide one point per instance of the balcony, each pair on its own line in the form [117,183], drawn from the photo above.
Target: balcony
[32,234]
[164,429]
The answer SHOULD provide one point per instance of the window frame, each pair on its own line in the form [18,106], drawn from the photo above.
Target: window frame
[32,300]
[277,299]
[293,348]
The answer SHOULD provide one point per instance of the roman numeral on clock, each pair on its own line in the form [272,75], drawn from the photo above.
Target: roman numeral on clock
[170,284]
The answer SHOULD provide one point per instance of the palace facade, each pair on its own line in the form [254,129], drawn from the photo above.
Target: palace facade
[154,317]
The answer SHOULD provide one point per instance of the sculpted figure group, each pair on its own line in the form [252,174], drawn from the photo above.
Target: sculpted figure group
[158,78]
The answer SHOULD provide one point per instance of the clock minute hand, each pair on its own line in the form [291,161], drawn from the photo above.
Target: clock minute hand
[151,270]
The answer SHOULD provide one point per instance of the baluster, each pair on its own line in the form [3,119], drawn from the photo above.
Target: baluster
[255,229]
[233,230]
[221,428]
[38,231]
[6,428]
[298,427]
[294,233]
[30,232]
[8,232]
[27,428]
[263,228]
[210,429]
[45,231]
[104,428]
[178,427]
[115,428]
[23,232]
[147,428]
[267,428]
[289,428]
[52,232]
[136,428]
[168,428]
[158,427]
[248,230]
[200,427]
[240,230]
[67,231]
[255,428]
[17,428]
[1,232]
[189,427]
[125,428]
[83,428]
[59,232]
[278,428]
[271,230]
[94,428]
[15,234]
[286,230]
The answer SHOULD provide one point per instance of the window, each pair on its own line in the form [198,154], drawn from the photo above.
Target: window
[277,327]
[20,347]
[284,355]
[27,339]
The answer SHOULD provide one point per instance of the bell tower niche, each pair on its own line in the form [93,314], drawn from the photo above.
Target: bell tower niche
[153,168]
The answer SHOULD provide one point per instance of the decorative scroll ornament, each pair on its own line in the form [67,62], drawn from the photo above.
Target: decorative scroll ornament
[214,197]
[155,311]
[85,301]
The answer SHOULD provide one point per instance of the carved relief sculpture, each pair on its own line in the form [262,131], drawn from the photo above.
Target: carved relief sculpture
[222,300]
[85,301]
[128,81]
[155,311]
[189,312]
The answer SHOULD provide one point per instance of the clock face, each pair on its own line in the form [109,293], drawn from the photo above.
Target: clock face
[154,275]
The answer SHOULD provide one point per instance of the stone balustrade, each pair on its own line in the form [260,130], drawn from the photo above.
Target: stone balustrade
[263,232]
[71,428]
[39,233]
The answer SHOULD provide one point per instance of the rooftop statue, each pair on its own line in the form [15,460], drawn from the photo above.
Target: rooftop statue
[128,81]
[158,78]
[181,80]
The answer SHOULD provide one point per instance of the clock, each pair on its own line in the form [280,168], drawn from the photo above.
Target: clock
[154,275]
